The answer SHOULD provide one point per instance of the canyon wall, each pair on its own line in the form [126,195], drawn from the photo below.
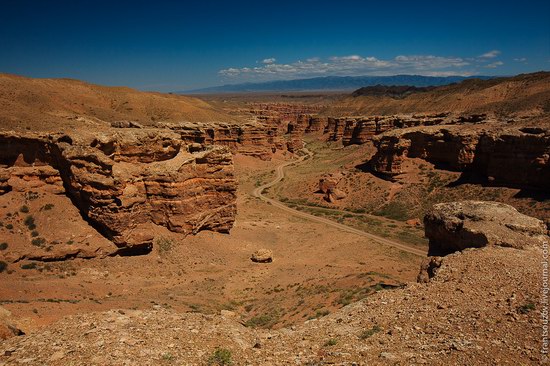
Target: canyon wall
[516,157]
[123,181]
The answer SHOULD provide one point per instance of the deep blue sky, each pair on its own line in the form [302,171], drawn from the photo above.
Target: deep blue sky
[177,45]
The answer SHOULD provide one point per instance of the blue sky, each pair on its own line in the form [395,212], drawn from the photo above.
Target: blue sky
[176,45]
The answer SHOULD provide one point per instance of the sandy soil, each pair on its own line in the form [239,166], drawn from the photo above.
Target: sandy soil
[316,269]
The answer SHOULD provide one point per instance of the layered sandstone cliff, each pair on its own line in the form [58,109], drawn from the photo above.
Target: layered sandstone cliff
[516,157]
[254,139]
[124,181]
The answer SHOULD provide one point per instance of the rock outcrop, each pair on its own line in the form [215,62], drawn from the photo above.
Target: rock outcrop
[124,181]
[456,226]
[253,139]
[327,185]
[515,157]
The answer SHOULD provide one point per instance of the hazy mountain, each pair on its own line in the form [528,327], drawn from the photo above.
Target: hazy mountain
[332,83]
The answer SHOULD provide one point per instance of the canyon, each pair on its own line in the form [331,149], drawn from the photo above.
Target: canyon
[130,218]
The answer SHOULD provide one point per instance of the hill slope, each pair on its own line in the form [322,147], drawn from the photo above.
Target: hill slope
[527,93]
[39,102]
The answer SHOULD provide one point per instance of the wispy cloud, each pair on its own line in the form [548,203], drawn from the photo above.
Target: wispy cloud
[521,59]
[355,65]
[494,65]
[490,54]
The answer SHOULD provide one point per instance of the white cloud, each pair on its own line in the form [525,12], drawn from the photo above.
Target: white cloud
[520,59]
[351,65]
[490,54]
[494,65]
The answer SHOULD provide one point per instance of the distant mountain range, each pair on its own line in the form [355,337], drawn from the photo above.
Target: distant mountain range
[332,83]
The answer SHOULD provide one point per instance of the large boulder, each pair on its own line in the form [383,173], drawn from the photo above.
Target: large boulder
[262,256]
[455,226]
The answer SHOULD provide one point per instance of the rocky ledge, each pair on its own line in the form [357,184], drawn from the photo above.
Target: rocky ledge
[125,181]
[455,226]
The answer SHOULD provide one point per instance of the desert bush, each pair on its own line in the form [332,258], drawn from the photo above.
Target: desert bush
[47,207]
[168,357]
[3,266]
[38,242]
[24,209]
[31,265]
[220,357]
[526,308]
[331,342]
[262,321]
[29,222]
[321,313]
[165,245]
[3,246]
[370,332]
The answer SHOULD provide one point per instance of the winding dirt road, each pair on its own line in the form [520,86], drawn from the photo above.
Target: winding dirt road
[258,192]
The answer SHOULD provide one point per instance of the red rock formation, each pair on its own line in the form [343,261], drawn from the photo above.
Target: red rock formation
[327,185]
[254,139]
[316,124]
[126,180]
[506,156]
[296,132]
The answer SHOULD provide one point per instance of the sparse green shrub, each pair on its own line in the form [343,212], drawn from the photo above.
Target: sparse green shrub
[9,226]
[220,357]
[370,332]
[3,246]
[31,265]
[345,299]
[331,342]
[168,356]
[3,266]
[321,313]
[164,244]
[38,242]
[263,321]
[47,206]
[24,209]
[394,210]
[29,222]
[34,233]
[526,308]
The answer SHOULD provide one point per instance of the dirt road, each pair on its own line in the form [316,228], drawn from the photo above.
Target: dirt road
[280,174]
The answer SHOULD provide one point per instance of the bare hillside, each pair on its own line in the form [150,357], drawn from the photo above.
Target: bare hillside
[523,94]
[39,103]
